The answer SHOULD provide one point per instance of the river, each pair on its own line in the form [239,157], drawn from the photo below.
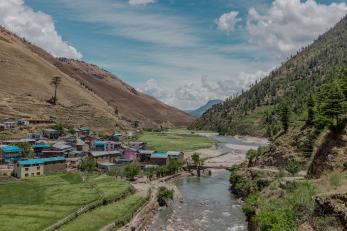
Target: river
[207,204]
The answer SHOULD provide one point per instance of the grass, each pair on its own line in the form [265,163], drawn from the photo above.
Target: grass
[120,213]
[36,203]
[174,141]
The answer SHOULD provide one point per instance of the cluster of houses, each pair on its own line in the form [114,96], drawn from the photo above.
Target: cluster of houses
[50,153]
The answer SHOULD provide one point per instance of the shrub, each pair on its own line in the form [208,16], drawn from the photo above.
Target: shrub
[336,179]
[131,170]
[293,167]
[287,212]
[345,166]
[164,195]
[250,203]
[87,165]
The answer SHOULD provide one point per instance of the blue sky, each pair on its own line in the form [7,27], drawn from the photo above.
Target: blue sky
[183,52]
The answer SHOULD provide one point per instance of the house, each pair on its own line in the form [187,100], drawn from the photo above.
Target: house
[34,136]
[101,145]
[162,158]
[81,146]
[19,141]
[9,125]
[116,136]
[129,154]
[58,149]
[137,145]
[38,148]
[51,134]
[106,165]
[10,153]
[39,167]
[105,156]
[144,155]
[83,132]
[23,122]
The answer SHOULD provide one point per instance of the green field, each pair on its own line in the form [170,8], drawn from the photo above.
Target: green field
[175,140]
[36,203]
[120,212]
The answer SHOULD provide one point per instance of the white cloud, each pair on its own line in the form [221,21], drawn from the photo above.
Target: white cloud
[290,24]
[227,22]
[195,94]
[140,2]
[36,27]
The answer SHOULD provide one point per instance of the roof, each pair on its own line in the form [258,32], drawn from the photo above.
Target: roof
[84,129]
[174,153]
[106,164]
[50,130]
[9,148]
[159,155]
[146,152]
[100,142]
[42,146]
[40,160]
[61,146]
[104,153]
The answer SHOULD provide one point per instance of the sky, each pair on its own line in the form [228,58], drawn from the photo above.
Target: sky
[183,52]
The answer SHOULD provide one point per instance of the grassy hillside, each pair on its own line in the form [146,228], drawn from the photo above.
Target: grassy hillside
[92,96]
[293,82]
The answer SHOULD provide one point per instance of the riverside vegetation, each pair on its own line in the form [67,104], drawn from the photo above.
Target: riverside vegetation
[298,182]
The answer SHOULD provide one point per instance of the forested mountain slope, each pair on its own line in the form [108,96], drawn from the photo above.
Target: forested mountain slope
[293,82]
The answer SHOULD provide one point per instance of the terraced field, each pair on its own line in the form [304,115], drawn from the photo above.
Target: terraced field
[36,203]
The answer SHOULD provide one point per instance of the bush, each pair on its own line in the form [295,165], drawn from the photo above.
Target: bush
[164,195]
[131,170]
[250,203]
[345,166]
[287,212]
[87,165]
[293,167]
[336,179]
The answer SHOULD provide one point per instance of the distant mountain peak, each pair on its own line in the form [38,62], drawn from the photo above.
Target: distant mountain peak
[201,110]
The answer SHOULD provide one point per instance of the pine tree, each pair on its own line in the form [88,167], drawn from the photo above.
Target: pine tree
[285,116]
[310,111]
[333,103]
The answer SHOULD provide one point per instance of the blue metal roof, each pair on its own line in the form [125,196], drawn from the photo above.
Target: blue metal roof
[100,142]
[9,148]
[40,160]
[84,129]
[42,146]
[159,155]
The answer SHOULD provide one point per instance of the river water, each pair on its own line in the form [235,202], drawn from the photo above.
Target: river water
[207,204]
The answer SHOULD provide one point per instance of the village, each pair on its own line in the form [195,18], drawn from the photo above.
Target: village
[50,150]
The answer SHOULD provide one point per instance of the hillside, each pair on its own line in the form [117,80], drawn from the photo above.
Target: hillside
[87,96]
[293,82]
[201,110]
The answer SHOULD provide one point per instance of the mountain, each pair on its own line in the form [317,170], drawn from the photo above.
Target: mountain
[201,110]
[293,82]
[88,95]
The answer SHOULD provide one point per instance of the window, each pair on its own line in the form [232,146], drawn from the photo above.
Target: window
[26,174]
[38,168]
[32,174]
[26,169]
[38,173]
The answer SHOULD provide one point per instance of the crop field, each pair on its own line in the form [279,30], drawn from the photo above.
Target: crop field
[36,203]
[120,212]
[175,140]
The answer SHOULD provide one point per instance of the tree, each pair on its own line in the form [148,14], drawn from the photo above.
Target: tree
[293,167]
[55,82]
[131,170]
[285,116]
[333,102]
[27,150]
[310,111]
[87,165]
[268,120]
[198,162]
